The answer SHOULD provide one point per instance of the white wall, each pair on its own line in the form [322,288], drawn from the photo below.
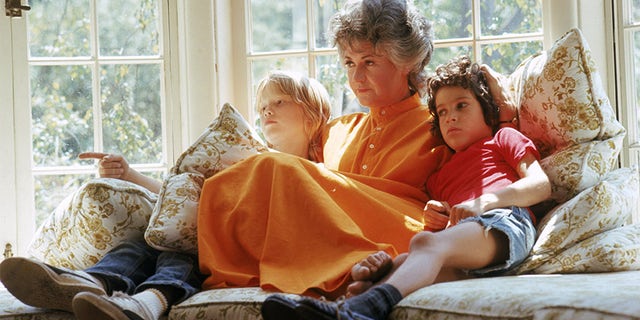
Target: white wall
[197,58]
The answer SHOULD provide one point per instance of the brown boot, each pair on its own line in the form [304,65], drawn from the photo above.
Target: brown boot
[43,286]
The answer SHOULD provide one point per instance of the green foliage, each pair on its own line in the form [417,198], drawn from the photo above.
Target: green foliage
[81,101]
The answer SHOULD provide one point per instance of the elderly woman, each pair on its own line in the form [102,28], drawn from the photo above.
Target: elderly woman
[285,223]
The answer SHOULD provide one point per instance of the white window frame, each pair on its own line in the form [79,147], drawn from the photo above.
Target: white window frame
[8,188]
[628,105]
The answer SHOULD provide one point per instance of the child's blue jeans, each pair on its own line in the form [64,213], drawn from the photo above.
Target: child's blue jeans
[516,224]
[134,266]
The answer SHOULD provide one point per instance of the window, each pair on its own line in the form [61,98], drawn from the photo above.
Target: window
[97,79]
[291,34]
[627,16]
[86,75]
[628,13]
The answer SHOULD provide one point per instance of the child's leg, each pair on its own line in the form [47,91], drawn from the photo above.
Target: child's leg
[464,246]
[364,278]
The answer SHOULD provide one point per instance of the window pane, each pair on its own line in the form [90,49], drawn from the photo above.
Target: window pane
[500,17]
[443,55]
[128,28]
[50,36]
[51,190]
[278,25]
[505,57]
[331,73]
[131,107]
[451,19]
[61,100]
[323,10]
[261,68]
[635,11]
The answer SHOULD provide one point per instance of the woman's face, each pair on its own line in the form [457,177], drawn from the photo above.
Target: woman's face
[460,117]
[282,120]
[374,79]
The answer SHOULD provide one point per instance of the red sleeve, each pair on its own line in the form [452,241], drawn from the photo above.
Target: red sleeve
[515,145]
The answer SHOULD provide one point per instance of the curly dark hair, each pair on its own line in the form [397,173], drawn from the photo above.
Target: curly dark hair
[461,72]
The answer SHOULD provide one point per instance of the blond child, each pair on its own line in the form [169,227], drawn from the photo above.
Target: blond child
[135,281]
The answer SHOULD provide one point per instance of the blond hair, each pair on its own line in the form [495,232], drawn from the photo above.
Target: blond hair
[311,95]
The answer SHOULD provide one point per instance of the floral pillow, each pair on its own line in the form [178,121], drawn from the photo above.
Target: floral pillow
[580,166]
[605,206]
[227,140]
[89,222]
[613,250]
[564,109]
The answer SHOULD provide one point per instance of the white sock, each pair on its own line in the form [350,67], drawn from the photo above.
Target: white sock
[154,300]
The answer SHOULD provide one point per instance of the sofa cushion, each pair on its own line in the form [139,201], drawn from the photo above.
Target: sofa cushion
[227,140]
[562,104]
[605,206]
[89,222]
[515,297]
[228,303]
[611,295]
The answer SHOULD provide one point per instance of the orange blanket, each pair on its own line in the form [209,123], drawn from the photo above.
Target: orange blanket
[284,223]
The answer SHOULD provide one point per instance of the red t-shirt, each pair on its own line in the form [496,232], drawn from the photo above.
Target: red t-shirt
[486,166]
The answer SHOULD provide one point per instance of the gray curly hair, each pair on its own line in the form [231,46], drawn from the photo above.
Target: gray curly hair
[393,27]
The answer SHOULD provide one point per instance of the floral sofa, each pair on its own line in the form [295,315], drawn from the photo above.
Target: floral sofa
[585,263]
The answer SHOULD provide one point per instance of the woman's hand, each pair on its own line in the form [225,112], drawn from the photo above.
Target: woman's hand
[501,96]
[109,165]
[435,215]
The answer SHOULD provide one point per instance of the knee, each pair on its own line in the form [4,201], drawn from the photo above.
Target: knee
[422,241]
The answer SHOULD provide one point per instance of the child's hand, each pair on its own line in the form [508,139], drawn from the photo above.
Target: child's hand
[435,215]
[465,209]
[109,165]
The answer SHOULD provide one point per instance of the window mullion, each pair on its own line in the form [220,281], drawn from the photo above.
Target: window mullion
[98,144]
[311,39]
[475,25]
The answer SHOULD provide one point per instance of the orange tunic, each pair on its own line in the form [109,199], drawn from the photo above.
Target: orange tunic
[285,223]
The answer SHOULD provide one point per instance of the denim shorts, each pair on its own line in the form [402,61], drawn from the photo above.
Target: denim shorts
[516,224]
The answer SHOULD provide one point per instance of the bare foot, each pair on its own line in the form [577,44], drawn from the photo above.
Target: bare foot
[369,271]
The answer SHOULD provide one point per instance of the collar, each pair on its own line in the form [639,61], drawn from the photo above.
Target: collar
[385,114]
